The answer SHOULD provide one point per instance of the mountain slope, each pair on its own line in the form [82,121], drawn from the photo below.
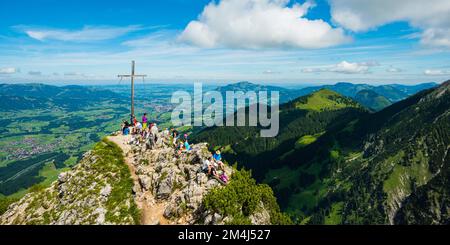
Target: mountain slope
[96,191]
[308,115]
[372,100]
[41,96]
[380,168]
[371,166]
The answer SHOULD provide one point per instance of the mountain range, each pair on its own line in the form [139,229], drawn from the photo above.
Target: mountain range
[345,154]
[336,162]
[378,98]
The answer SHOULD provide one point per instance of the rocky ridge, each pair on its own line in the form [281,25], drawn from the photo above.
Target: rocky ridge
[118,183]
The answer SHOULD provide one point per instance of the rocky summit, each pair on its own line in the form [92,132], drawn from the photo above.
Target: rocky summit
[119,183]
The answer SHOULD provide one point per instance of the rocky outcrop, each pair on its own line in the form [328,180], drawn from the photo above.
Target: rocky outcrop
[174,182]
[119,183]
[91,193]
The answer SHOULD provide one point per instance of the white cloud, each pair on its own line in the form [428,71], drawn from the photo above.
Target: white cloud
[343,67]
[436,72]
[431,16]
[8,70]
[86,34]
[260,24]
[394,70]
[270,72]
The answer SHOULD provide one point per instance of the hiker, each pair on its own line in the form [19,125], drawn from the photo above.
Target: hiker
[150,142]
[206,166]
[146,134]
[144,121]
[213,171]
[154,131]
[224,178]
[187,147]
[217,156]
[138,128]
[218,159]
[175,137]
[180,148]
[209,167]
[165,132]
[125,128]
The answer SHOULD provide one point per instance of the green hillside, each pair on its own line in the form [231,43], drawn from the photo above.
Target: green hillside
[302,121]
[346,166]
[372,100]
[324,100]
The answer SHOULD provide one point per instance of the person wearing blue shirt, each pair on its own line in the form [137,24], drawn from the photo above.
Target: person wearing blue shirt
[187,146]
[217,156]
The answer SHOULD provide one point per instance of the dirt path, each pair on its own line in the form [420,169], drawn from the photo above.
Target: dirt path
[151,211]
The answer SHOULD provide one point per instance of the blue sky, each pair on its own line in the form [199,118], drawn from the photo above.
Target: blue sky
[271,41]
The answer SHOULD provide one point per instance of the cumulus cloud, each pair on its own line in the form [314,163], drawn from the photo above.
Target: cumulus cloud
[343,67]
[8,70]
[260,24]
[431,16]
[437,72]
[86,34]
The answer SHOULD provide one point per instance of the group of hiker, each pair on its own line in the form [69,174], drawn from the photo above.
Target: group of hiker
[141,131]
[213,166]
[148,133]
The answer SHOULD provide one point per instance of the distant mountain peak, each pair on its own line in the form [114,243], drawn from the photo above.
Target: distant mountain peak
[325,100]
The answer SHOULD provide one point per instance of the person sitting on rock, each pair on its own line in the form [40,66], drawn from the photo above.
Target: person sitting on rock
[224,178]
[187,147]
[125,128]
[180,148]
[218,159]
[218,156]
[211,167]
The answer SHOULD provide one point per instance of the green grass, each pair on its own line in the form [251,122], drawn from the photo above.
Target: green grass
[111,160]
[325,100]
[286,175]
[307,140]
[308,198]
[401,177]
[50,173]
[301,201]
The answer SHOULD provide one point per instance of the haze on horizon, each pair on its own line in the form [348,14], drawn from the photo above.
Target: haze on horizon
[269,41]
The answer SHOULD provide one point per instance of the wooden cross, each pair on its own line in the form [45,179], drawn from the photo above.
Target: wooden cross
[132,76]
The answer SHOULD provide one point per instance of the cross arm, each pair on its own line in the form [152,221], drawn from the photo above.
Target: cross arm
[131,76]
